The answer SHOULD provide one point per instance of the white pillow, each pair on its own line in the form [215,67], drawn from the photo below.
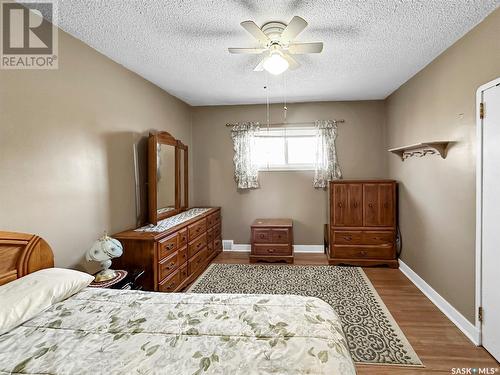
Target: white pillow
[28,296]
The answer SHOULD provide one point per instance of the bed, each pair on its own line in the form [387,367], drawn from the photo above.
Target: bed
[132,332]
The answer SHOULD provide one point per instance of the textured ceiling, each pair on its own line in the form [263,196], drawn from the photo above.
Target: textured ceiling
[371,47]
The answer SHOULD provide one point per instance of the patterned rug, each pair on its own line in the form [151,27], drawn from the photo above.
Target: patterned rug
[371,332]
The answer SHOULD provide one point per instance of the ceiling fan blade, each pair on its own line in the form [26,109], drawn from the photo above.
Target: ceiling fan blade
[259,67]
[302,48]
[292,63]
[255,30]
[255,51]
[294,28]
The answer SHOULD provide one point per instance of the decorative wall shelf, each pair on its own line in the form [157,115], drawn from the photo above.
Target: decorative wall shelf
[422,149]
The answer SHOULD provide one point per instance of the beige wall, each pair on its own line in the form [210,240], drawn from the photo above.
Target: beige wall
[437,197]
[66,136]
[282,194]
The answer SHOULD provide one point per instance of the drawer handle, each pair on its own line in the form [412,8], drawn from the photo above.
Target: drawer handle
[270,250]
[370,205]
[170,246]
[340,204]
[363,253]
[348,238]
[355,205]
[198,245]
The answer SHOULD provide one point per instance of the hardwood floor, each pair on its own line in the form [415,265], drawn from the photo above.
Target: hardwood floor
[438,342]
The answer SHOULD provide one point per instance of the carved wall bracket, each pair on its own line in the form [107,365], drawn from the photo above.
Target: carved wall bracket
[422,149]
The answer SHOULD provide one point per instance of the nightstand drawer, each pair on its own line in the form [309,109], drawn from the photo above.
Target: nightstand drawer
[167,246]
[280,236]
[197,261]
[262,235]
[168,265]
[194,230]
[170,283]
[271,249]
[197,245]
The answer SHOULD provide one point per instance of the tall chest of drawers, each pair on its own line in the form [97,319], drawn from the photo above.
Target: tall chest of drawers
[174,257]
[363,222]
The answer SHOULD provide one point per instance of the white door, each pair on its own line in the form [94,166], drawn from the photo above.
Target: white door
[491,222]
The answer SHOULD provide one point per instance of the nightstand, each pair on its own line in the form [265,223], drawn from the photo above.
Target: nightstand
[128,281]
[272,240]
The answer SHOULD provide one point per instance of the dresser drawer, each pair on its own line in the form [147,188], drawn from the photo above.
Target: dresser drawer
[217,231]
[167,246]
[168,265]
[194,230]
[183,272]
[183,255]
[197,261]
[182,238]
[364,252]
[268,249]
[210,235]
[218,244]
[198,244]
[212,219]
[170,283]
[378,237]
[343,237]
[262,235]
[280,236]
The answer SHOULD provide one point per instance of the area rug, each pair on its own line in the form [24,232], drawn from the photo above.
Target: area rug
[371,332]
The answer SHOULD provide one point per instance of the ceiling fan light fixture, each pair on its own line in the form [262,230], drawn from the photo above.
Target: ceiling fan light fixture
[275,63]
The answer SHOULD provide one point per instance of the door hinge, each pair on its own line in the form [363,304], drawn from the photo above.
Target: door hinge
[481,110]
[480,314]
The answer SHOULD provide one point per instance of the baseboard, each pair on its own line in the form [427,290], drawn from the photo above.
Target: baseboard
[310,249]
[468,329]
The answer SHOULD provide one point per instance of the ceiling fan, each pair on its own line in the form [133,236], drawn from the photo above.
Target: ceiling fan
[276,40]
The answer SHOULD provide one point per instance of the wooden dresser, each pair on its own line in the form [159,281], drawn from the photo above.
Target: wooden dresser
[272,240]
[175,257]
[363,222]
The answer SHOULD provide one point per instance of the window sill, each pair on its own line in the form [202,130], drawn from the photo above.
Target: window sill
[285,169]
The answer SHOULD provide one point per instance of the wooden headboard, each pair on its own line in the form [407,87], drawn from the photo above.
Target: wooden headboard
[21,254]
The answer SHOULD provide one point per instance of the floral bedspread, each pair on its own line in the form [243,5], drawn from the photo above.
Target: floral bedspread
[103,331]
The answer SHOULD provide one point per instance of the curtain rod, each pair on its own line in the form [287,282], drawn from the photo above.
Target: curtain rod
[279,124]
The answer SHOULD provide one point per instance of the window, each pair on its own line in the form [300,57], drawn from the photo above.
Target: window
[285,149]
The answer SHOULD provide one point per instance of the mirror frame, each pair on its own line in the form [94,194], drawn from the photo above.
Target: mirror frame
[163,138]
[182,148]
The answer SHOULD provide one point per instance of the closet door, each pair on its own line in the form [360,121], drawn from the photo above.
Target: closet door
[370,205]
[490,262]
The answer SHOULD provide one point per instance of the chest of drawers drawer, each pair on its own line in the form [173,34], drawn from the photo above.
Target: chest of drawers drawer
[364,252]
[343,237]
[182,237]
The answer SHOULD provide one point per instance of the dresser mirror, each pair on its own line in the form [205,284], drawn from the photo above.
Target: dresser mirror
[163,190]
[182,150]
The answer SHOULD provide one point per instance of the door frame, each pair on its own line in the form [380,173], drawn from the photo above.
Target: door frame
[479,202]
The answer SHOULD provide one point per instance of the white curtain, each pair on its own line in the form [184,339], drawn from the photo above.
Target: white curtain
[326,165]
[246,173]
